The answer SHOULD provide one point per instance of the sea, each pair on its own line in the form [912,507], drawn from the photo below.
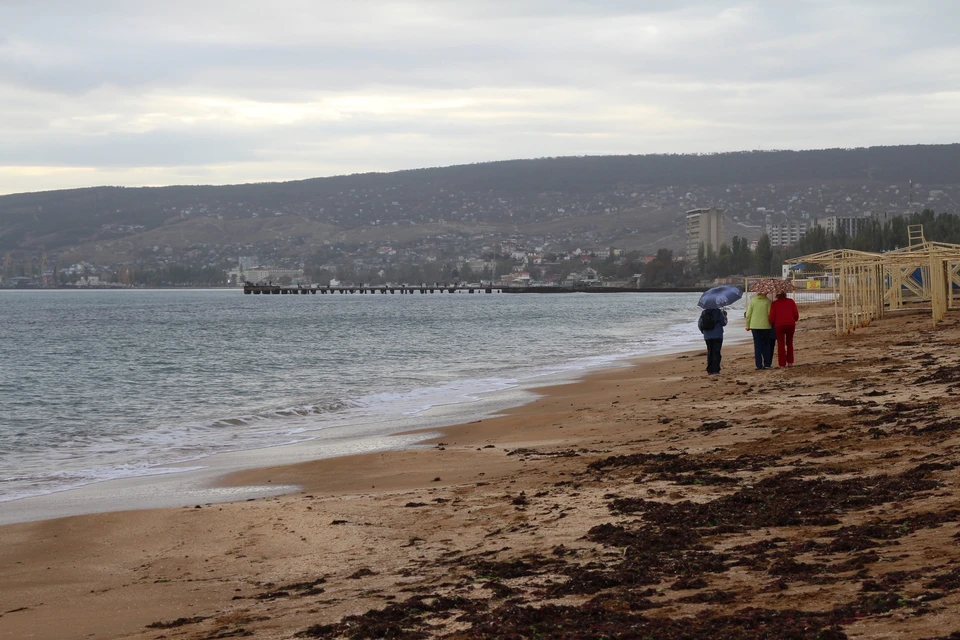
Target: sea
[104,385]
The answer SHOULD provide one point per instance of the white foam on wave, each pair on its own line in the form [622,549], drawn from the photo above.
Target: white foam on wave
[57,481]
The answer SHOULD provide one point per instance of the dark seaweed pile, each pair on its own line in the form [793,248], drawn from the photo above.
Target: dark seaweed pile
[658,555]
[671,548]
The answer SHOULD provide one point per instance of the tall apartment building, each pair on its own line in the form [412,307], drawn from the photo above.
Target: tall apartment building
[851,225]
[706,226]
[786,234]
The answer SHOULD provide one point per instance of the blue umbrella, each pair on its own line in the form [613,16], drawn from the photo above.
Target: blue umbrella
[719,297]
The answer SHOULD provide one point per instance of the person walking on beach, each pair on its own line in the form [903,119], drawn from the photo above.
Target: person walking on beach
[711,325]
[758,323]
[783,316]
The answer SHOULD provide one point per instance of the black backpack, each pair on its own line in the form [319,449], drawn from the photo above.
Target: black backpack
[707,321]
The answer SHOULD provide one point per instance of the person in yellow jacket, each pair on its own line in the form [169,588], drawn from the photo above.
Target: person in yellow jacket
[758,323]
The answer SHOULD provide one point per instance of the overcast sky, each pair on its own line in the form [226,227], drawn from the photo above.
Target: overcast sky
[144,92]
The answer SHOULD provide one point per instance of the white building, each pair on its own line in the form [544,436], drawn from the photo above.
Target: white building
[264,275]
[477,265]
[703,226]
[786,234]
[587,276]
[850,225]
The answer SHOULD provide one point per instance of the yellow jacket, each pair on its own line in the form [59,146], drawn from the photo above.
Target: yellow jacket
[758,312]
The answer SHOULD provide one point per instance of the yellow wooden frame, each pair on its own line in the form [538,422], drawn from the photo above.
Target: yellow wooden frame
[868,284]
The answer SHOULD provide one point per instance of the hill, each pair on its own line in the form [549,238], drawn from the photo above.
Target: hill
[633,201]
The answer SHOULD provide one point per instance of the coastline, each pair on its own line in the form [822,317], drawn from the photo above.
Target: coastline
[94,554]
[229,411]
[370,526]
[519,425]
[195,481]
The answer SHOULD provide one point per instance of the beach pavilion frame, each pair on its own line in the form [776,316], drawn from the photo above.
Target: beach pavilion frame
[868,284]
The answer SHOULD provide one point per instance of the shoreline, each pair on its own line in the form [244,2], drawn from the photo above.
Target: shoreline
[368,530]
[198,481]
[333,474]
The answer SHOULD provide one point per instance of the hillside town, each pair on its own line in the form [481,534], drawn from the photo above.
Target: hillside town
[395,228]
[708,234]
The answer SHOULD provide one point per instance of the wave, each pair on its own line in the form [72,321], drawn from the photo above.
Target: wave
[153,444]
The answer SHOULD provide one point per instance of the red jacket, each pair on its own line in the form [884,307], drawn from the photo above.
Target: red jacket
[783,311]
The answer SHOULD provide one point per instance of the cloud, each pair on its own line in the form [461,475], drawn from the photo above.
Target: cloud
[149,92]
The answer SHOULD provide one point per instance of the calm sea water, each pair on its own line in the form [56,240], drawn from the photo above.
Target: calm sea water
[96,385]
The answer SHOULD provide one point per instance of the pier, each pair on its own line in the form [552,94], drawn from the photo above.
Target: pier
[271,289]
[274,289]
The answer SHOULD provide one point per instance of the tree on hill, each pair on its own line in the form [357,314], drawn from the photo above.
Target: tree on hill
[742,255]
[663,270]
[763,256]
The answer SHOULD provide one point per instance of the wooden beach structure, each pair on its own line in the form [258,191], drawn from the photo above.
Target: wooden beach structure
[867,285]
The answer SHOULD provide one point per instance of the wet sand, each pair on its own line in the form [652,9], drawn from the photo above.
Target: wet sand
[814,501]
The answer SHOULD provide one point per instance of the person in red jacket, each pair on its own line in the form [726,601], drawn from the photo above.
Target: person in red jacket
[783,316]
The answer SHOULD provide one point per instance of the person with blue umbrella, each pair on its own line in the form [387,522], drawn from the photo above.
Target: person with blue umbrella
[712,321]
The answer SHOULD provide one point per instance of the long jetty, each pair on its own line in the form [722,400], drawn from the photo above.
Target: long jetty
[273,289]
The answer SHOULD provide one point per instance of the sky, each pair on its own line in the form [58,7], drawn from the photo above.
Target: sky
[145,92]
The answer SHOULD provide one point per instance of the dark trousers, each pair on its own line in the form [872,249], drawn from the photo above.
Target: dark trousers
[713,354]
[785,343]
[763,347]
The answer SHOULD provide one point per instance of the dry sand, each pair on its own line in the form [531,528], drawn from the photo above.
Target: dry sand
[819,501]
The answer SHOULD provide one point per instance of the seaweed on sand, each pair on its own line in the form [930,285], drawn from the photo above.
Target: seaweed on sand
[301,588]
[667,542]
[603,617]
[710,597]
[715,425]
[594,620]
[943,374]
[893,580]
[179,622]
[683,463]
[845,538]
[948,581]
[400,620]
[786,499]
[652,553]
[699,478]
[529,565]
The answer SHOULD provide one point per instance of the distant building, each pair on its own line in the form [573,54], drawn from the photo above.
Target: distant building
[786,234]
[264,274]
[703,226]
[852,225]
[881,216]
[477,265]
[587,276]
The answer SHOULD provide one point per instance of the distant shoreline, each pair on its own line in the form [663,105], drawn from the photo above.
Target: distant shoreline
[505,289]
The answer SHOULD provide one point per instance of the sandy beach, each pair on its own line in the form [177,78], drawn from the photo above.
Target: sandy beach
[818,501]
